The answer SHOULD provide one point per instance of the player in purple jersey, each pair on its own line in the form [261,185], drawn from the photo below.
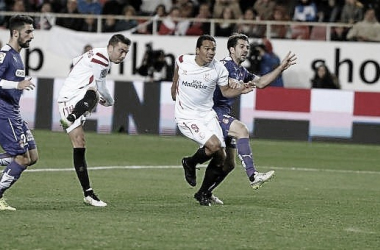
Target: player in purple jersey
[15,137]
[235,132]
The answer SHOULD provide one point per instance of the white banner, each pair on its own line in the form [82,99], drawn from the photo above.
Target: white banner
[356,64]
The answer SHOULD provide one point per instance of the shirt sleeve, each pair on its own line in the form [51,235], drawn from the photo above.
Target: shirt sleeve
[223,75]
[100,67]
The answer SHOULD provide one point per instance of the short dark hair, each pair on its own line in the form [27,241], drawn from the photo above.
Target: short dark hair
[204,38]
[18,21]
[119,38]
[233,40]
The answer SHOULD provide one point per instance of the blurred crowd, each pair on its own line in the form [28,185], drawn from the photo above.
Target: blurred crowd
[172,17]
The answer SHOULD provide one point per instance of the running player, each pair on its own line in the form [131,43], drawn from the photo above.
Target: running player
[195,79]
[15,137]
[236,133]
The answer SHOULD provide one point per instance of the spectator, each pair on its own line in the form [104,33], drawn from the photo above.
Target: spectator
[324,79]
[16,6]
[127,23]
[90,24]
[89,7]
[367,30]
[226,27]
[46,20]
[352,12]
[250,29]
[264,8]
[187,8]
[198,28]
[171,25]
[147,26]
[328,11]
[305,11]
[109,24]
[113,7]
[70,23]
[220,5]
[263,60]
[339,33]
[280,13]
[148,6]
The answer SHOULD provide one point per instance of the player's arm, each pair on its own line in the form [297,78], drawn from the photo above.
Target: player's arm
[231,87]
[100,72]
[229,92]
[174,84]
[24,84]
[106,98]
[6,84]
[265,80]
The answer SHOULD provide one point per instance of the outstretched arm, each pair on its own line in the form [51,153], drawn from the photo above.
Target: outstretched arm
[266,79]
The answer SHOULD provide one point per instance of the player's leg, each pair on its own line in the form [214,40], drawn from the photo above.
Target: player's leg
[32,146]
[11,137]
[199,132]
[5,159]
[240,132]
[189,165]
[86,104]
[213,173]
[77,138]
[228,166]
[214,170]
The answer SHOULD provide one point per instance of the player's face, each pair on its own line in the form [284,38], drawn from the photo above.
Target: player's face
[240,52]
[118,52]
[26,35]
[206,53]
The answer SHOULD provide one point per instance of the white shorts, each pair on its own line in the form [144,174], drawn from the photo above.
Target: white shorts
[200,130]
[66,108]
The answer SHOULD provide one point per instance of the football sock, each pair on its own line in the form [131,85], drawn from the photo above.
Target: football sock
[10,175]
[245,155]
[86,104]
[5,159]
[212,173]
[81,167]
[199,157]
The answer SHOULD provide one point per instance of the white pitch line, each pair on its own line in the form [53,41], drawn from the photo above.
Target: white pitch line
[203,166]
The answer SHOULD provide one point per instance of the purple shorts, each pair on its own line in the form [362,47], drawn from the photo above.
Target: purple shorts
[225,123]
[15,136]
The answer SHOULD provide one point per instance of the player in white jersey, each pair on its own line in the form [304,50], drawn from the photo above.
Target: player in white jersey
[82,90]
[195,79]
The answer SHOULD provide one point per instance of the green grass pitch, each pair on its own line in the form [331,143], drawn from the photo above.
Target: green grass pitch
[324,196]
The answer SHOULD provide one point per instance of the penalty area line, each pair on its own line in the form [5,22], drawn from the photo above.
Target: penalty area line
[204,166]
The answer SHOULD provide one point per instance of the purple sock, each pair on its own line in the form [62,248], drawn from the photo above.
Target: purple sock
[10,175]
[245,155]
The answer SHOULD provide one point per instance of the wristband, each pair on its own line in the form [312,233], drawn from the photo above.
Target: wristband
[8,84]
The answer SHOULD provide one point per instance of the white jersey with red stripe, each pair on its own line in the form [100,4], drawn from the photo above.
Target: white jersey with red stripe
[196,85]
[89,70]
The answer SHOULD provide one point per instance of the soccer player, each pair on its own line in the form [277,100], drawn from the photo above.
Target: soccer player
[83,89]
[236,133]
[15,137]
[195,79]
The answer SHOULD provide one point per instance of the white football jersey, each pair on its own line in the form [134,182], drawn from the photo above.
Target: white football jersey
[196,85]
[89,70]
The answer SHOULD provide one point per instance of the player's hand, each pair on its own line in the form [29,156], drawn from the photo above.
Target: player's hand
[247,88]
[103,102]
[288,61]
[251,84]
[26,84]
[234,84]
